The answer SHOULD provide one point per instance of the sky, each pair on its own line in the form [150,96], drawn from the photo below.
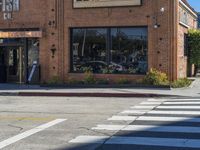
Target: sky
[195,4]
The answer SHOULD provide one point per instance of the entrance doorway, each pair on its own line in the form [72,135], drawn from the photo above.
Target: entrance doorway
[12,64]
[17,57]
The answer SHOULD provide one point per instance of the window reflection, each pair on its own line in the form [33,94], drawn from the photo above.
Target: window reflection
[33,51]
[109,50]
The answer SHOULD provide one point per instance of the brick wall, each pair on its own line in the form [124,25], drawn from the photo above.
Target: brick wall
[182,31]
[55,18]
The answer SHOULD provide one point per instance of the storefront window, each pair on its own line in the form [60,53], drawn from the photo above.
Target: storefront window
[129,50]
[109,50]
[89,50]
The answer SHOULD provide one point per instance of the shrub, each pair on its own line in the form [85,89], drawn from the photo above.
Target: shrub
[74,81]
[155,77]
[89,78]
[123,81]
[55,80]
[194,46]
[184,82]
[102,81]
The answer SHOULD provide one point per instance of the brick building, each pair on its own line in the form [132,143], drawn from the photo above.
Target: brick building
[199,20]
[113,38]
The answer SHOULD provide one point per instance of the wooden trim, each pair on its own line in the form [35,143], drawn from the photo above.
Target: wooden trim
[106,3]
[21,34]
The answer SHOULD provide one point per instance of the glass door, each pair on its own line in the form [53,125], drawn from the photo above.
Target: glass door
[15,64]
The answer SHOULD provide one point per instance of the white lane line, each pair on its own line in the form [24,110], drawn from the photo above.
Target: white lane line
[171,100]
[154,118]
[178,107]
[29,133]
[195,113]
[151,103]
[156,100]
[170,119]
[152,128]
[175,103]
[123,118]
[147,141]
[143,107]
[161,112]
[137,112]
[90,139]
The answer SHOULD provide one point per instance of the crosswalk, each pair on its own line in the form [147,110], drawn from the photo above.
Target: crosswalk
[167,124]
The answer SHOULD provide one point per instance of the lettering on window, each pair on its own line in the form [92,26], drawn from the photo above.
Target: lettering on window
[8,7]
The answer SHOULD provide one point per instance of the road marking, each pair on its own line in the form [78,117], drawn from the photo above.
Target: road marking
[138,112]
[159,112]
[175,103]
[154,118]
[143,107]
[170,119]
[150,128]
[178,107]
[29,133]
[147,141]
[151,103]
[156,100]
[195,113]
[123,118]
[90,139]
[172,100]
[26,118]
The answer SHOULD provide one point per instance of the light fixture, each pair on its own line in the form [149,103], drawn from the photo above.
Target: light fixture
[156,26]
[162,10]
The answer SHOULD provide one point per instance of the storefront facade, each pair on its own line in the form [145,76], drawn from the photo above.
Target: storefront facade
[113,39]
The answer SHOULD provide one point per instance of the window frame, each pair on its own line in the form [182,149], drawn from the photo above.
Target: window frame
[108,45]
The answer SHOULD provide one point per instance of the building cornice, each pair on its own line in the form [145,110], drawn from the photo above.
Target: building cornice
[188,8]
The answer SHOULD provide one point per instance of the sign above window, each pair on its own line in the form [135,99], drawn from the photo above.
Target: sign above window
[105,3]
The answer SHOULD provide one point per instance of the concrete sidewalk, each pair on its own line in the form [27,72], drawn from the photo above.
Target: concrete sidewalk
[26,90]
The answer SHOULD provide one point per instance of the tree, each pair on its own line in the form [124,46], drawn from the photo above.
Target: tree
[194,46]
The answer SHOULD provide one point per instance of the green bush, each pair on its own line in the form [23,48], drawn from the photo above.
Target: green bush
[123,81]
[74,81]
[184,82]
[102,81]
[194,46]
[55,80]
[155,77]
[89,78]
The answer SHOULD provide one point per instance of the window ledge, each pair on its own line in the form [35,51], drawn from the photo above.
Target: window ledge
[183,24]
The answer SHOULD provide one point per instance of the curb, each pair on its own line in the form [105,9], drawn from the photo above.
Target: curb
[90,94]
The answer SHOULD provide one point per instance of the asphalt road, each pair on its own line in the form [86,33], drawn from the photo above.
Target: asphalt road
[33,123]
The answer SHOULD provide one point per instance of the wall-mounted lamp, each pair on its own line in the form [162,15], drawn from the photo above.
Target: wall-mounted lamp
[162,10]
[156,25]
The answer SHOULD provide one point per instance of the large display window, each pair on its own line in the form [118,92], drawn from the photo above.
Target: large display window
[109,50]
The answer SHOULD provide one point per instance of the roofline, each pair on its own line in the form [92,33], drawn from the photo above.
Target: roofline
[188,8]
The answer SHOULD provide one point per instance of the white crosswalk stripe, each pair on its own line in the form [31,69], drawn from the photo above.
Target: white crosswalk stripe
[155,122]
[154,118]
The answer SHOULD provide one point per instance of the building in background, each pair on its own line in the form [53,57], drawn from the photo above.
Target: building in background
[113,38]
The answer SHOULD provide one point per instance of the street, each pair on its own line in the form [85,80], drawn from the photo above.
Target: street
[66,123]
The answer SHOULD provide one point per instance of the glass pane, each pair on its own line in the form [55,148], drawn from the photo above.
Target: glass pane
[89,50]
[33,51]
[129,50]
